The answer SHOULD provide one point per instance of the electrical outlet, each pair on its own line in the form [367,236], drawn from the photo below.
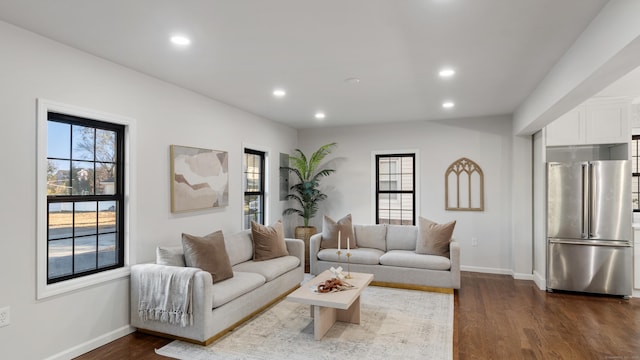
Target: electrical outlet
[474,241]
[5,316]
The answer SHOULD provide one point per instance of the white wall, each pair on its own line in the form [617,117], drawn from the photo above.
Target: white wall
[34,67]
[540,211]
[487,141]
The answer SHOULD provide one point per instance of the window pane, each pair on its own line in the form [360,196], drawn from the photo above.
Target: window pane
[107,254]
[106,178]
[60,263]
[388,185]
[105,145]
[58,140]
[60,220]
[253,210]
[384,208]
[58,180]
[85,218]
[83,143]
[85,252]
[82,178]
[407,207]
[107,216]
[253,172]
[407,174]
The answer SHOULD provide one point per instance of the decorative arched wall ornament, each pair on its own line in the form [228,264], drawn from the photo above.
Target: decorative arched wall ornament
[465,179]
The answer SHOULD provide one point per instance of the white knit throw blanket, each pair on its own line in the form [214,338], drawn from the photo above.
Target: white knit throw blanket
[166,294]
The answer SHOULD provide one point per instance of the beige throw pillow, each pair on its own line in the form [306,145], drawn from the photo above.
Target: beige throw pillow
[209,254]
[268,241]
[434,238]
[330,229]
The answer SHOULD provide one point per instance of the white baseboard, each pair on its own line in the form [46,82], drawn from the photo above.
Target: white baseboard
[486,270]
[520,276]
[517,276]
[540,281]
[92,344]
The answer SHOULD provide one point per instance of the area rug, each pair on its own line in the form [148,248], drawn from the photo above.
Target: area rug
[395,324]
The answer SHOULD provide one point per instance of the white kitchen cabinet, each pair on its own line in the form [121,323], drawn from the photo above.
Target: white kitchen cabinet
[569,129]
[596,121]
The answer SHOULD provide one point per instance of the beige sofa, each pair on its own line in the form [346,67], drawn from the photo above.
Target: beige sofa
[388,252]
[220,307]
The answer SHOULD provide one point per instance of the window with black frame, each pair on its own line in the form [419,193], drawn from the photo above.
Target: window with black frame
[635,170]
[254,193]
[85,197]
[395,189]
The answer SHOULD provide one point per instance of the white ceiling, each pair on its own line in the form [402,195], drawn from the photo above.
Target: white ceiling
[242,49]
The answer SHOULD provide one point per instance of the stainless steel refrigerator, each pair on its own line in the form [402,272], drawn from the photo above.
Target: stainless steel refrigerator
[589,229]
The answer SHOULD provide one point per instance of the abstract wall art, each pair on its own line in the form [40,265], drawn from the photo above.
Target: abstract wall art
[199,178]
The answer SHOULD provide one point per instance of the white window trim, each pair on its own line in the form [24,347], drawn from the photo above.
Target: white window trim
[45,290]
[267,172]
[373,178]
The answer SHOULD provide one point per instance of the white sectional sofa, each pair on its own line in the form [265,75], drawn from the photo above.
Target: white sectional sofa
[388,252]
[220,307]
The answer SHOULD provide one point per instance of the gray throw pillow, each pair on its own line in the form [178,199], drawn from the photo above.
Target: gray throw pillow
[170,256]
[434,238]
[331,229]
[209,254]
[268,241]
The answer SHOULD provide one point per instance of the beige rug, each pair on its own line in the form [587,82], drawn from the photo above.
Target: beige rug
[395,324]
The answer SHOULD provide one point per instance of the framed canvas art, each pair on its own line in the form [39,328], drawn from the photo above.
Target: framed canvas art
[199,178]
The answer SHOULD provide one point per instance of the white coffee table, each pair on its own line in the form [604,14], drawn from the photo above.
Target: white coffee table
[327,308]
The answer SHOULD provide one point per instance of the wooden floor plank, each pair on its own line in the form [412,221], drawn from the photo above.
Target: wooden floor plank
[497,317]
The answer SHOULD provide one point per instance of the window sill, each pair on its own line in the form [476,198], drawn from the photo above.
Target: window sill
[50,290]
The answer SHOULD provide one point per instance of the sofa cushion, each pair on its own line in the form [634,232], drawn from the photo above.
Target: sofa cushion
[208,253]
[371,236]
[170,256]
[434,238]
[365,256]
[401,237]
[240,284]
[408,258]
[239,247]
[271,268]
[332,229]
[268,241]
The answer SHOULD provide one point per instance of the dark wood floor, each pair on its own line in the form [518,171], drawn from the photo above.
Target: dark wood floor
[497,317]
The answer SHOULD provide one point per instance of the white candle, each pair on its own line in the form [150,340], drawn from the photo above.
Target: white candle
[338,240]
[348,248]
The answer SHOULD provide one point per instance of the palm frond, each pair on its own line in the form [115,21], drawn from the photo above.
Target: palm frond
[305,191]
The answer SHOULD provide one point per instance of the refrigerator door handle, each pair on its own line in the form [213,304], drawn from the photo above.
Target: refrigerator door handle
[593,200]
[585,202]
[611,243]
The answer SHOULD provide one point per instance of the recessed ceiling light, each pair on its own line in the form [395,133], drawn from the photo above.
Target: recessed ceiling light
[279,93]
[180,40]
[352,80]
[320,115]
[448,104]
[448,72]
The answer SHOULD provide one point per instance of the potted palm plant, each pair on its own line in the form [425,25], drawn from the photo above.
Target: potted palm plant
[305,192]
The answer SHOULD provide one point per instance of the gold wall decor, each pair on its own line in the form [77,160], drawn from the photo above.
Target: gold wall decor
[464,186]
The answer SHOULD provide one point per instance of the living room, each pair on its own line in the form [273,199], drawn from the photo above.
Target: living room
[74,321]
